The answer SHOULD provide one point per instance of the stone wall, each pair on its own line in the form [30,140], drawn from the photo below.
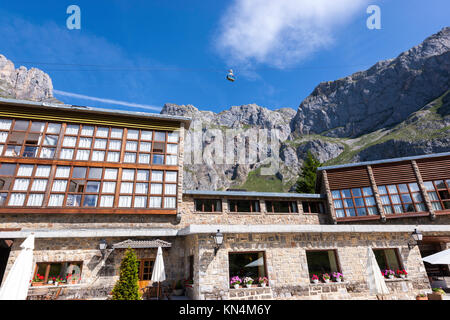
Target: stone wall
[288,270]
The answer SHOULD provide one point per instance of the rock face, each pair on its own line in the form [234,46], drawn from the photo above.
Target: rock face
[382,96]
[24,84]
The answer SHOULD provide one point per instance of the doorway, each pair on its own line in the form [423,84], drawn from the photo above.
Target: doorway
[5,249]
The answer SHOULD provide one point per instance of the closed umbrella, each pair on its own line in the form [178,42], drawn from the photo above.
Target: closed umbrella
[158,273]
[375,280]
[442,257]
[15,286]
[257,263]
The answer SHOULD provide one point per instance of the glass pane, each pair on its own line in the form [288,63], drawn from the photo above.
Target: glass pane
[50,140]
[336,194]
[157,175]
[372,211]
[144,158]
[350,212]
[79,172]
[21,125]
[145,147]
[340,214]
[116,133]
[69,141]
[398,209]
[12,151]
[131,146]
[403,188]
[142,175]
[392,189]
[362,211]
[370,201]
[95,173]
[173,136]
[348,203]
[395,199]
[433,196]
[93,187]
[110,174]
[158,159]
[406,198]
[440,184]
[356,192]
[47,153]
[420,207]
[5,124]
[436,205]
[155,202]
[128,174]
[171,176]
[414,187]
[100,144]
[158,147]
[129,157]
[102,132]
[73,200]
[337,204]
[359,202]
[429,185]
[90,201]
[54,128]
[388,209]
[160,136]
[171,160]
[72,129]
[385,200]
[7,169]
[146,135]
[367,191]
[346,193]
[87,131]
[133,134]
[417,197]
[62,172]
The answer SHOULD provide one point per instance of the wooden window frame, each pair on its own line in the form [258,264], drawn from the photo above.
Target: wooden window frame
[335,251]
[353,197]
[252,209]
[213,205]
[436,190]
[141,268]
[397,256]
[402,203]
[308,204]
[250,252]
[47,269]
[290,202]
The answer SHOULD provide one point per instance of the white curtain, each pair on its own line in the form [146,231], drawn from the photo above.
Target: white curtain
[146,135]
[113,156]
[59,185]
[160,136]
[144,158]
[16,199]
[83,154]
[53,128]
[43,171]
[140,202]
[142,175]
[127,174]
[25,170]
[155,202]
[5,124]
[114,144]
[56,200]
[69,142]
[133,134]
[62,172]
[39,185]
[156,188]
[98,155]
[50,140]
[173,136]
[172,148]
[141,188]
[171,160]
[170,189]
[169,202]
[125,201]
[171,176]
[85,143]
[129,157]
[157,175]
[47,153]
[126,187]
[145,147]
[87,131]
[35,200]
[116,133]
[100,144]
[72,129]
[102,132]
[131,146]
[385,200]
[66,154]
[106,201]
[21,184]
[3,136]
[108,187]
[110,174]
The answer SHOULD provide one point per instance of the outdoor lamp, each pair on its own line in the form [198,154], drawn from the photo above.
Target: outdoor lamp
[218,238]
[102,245]
[416,237]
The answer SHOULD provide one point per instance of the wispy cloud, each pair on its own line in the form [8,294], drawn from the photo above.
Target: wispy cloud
[281,33]
[107,101]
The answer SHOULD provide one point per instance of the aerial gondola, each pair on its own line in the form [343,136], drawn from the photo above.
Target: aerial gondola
[230,76]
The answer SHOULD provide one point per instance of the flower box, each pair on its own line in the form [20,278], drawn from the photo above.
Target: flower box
[421,298]
[37,284]
[435,296]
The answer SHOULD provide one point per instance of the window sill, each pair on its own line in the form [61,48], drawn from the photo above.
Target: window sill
[246,213]
[442,212]
[251,288]
[374,217]
[205,212]
[329,283]
[396,280]
[407,215]
[281,214]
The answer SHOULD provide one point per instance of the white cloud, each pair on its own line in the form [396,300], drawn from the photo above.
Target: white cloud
[281,32]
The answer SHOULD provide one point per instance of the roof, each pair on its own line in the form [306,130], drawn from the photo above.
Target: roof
[368,163]
[140,244]
[62,106]
[253,194]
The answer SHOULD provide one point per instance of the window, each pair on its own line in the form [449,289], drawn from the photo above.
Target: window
[208,205]
[439,193]
[401,198]
[281,206]
[65,272]
[313,207]
[387,259]
[146,269]
[247,264]
[243,205]
[321,262]
[354,202]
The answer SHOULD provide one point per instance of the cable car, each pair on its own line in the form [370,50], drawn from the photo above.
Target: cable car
[230,76]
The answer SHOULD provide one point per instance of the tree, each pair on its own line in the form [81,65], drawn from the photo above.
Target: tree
[127,288]
[306,182]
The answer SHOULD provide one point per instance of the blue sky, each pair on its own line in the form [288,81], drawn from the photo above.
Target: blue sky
[153,52]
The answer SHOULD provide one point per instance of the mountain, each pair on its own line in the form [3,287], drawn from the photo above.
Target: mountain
[398,107]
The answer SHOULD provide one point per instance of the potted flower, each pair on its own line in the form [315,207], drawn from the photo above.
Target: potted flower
[421,296]
[315,278]
[337,276]
[326,277]
[178,290]
[235,282]
[263,281]
[188,283]
[437,294]
[38,280]
[248,282]
[402,273]
[389,273]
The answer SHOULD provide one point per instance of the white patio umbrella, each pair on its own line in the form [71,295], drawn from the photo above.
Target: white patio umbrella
[375,280]
[257,263]
[16,284]
[442,257]
[158,273]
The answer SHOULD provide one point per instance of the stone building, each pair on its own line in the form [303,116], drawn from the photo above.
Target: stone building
[80,177]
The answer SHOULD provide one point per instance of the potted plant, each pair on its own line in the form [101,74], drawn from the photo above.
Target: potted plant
[178,290]
[315,278]
[38,280]
[188,283]
[248,282]
[421,296]
[389,273]
[337,276]
[437,294]
[235,282]
[263,281]
[402,273]
[326,277]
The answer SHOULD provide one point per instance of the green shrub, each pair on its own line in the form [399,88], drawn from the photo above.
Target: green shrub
[127,287]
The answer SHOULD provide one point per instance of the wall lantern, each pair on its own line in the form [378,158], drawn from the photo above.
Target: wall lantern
[218,239]
[102,245]
[416,236]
